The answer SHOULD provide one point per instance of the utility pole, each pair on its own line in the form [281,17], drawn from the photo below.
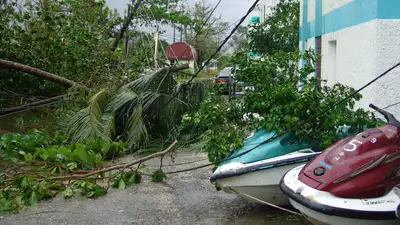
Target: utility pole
[156,49]
[185,31]
[174,33]
[181,34]
[126,47]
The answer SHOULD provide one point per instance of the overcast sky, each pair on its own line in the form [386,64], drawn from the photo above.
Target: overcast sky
[230,10]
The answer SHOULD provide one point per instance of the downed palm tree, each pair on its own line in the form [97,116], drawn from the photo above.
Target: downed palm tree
[148,107]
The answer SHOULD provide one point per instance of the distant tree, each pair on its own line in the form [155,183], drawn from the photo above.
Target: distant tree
[239,39]
[206,32]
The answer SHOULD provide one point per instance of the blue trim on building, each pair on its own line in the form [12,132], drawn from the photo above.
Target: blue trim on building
[389,9]
[303,30]
[351,14]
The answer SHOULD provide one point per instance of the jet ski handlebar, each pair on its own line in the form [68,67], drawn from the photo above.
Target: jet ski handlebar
[388,116]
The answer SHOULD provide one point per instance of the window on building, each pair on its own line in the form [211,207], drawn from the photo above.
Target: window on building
[318,49]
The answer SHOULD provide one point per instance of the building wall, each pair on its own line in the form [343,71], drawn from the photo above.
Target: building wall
[352,60]
[360,40]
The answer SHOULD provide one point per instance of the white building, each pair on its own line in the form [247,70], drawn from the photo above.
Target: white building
[358,40]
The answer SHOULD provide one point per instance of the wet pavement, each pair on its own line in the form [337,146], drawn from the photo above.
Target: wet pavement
[186,198]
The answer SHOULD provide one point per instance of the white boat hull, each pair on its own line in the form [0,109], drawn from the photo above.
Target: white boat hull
[317,218]
[260,185]
[314,204]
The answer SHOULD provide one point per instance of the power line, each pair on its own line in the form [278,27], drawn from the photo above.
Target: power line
[212,12]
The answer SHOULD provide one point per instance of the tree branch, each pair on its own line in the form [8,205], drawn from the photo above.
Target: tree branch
[116,167]
[38,73]
[125,26]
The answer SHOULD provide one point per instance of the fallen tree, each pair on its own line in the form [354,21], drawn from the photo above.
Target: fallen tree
[39,73]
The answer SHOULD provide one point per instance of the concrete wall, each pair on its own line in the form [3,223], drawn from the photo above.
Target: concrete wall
[386,91]
[362,53]
[352,62]
[357,47]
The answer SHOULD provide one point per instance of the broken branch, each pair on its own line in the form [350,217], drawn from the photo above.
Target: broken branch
[117,167]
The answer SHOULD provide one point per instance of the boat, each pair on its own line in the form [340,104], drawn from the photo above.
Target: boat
[255,170]
[355,181]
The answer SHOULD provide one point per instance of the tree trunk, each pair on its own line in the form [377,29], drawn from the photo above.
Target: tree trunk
[125,26]
[38,73]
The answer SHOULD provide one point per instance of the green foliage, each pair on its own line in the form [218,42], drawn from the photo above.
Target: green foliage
[283,107]
[158,176]
[39,146]
[32,158]
[213,122]
[87,188]
[17,146]
[68,38]
[127,178]
[279,32]
[25,191]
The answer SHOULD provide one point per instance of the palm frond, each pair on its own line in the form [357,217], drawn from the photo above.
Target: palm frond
[123,97]
[147,81]
[88,122]
[109,125]
[149,99]
[136,129]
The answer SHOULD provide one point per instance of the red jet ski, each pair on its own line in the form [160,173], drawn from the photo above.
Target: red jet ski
[355,181]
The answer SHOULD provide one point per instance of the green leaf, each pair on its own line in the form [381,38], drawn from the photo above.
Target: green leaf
[33,199]
[121,184]
[106,148]
[96,191]
[28,157]
[83,155]
[72,165]
[2,176]
[133,178]
[158,176]
[68,192]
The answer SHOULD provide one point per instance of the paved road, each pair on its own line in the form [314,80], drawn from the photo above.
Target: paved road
[185,199]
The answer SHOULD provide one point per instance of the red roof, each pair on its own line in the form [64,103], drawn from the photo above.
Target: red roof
[181,51]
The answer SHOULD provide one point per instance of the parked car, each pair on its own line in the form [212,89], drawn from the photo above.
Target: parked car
[225,76]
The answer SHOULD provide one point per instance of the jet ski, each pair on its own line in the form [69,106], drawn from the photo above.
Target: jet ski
[256,169]
[398,212]
[354,181]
